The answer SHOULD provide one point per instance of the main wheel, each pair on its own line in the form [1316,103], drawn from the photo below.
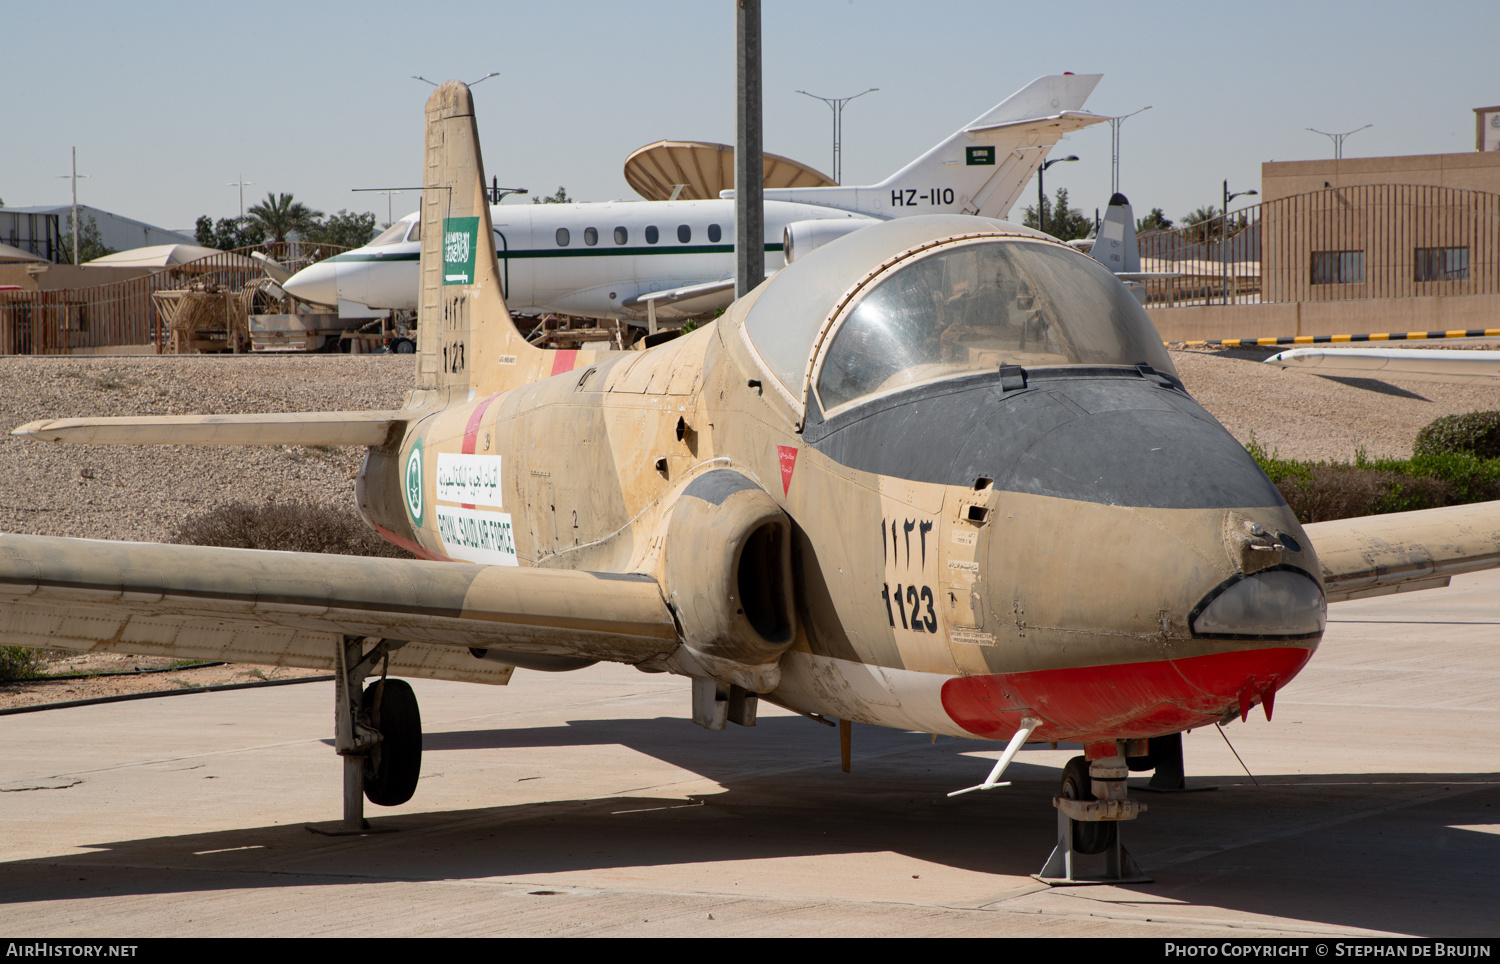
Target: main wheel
[1089,836]
[393,767]
[404,346]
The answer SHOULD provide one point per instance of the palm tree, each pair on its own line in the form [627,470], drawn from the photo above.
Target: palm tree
[279,215]
[1202,222]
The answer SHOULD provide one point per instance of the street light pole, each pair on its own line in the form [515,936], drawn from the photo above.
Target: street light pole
[749,158]
[241,184]
[1338,139]
[75,176]
[1041,194]
[1224,234]
[837,103]
[1114,146]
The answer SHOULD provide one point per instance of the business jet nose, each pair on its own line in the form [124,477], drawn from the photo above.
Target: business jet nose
[316,283]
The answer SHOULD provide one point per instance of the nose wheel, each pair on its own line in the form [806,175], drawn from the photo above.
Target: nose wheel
[1091,804]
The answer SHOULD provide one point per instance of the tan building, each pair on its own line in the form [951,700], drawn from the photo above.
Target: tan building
[1343,246]
[1472,171]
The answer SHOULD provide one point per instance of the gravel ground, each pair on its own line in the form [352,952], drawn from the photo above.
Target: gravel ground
[1313,417]
[143,493]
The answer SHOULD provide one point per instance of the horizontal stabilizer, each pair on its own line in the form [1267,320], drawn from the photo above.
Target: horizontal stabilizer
[295,428]
[1068,120]
[292,608]
[1405,551]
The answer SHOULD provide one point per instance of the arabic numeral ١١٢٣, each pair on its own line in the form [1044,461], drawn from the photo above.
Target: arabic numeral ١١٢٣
[912,603]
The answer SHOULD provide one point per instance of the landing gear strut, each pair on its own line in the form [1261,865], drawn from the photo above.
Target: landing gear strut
[378,732]
[1090,806]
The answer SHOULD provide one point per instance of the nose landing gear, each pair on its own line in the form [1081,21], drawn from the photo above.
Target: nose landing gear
[1090,807]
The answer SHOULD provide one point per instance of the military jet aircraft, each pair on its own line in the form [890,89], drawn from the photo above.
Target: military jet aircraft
[1001,516]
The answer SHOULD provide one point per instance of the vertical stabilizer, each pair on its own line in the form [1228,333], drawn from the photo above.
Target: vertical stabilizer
[1115,246]
[983,167]
[467,344]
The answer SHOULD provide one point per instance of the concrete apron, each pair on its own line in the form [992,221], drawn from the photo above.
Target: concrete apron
[585,803]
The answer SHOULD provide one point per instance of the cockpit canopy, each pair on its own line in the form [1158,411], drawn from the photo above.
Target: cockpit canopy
[978,295]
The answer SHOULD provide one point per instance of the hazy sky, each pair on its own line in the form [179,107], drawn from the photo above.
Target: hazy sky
[170,102]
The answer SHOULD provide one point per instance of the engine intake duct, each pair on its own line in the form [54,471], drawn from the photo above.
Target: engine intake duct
[727,571]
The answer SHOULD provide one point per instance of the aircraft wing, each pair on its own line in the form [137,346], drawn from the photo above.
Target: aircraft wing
[1448,364]
[1405,551]
[295,428]
[688,301]
[1148,275]
[293,608]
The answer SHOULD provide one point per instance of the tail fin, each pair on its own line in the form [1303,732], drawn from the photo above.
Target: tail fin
[467,343]
[989,160]
[1115,247]
[983,167]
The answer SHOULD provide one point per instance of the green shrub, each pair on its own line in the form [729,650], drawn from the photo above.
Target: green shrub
[1322,491]
[20,662]
[1473,433]
[286,526]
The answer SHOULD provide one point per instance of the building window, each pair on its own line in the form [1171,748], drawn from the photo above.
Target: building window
[651,234]
[591,236]
[714,234]
[684,233]
[562,237]
[1338,267]
[621,235]
[1440,264]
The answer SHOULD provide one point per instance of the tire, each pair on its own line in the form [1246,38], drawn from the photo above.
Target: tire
[1089,836]
[394,766]
[403,346]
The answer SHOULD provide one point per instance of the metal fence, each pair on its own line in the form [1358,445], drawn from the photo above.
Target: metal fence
[1338,244]
[123,313]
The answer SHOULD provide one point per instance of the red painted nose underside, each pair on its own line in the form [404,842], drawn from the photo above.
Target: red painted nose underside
[1122,702]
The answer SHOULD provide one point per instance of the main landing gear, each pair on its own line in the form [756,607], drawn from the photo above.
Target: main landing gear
[378,732]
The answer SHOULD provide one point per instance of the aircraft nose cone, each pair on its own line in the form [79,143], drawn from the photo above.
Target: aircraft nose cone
[1126,622]
[1123,701]
[316,283]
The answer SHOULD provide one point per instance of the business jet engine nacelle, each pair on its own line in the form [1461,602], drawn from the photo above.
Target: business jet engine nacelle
[727,576]
[800,237]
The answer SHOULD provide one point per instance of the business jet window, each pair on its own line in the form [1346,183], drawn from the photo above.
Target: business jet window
[590,236]
[416,231]
[684,233]
[562,237]
[652,235]
[621,235]
[976,306]
[714,234]
[393,234]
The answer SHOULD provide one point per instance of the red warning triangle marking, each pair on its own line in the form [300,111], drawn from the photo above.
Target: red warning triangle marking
[787,455]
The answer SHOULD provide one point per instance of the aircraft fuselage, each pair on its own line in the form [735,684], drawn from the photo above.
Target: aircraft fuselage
[928,595]
[585,259]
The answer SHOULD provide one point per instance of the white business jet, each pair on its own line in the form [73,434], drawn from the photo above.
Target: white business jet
[674,260]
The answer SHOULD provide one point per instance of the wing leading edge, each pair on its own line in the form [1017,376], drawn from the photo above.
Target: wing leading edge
[290,608]
[1405,551]
[292,428]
